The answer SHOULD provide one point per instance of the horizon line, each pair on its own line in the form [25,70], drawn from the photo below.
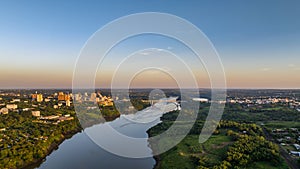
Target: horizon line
[65,88]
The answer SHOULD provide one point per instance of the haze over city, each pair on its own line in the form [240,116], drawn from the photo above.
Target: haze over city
[258,43]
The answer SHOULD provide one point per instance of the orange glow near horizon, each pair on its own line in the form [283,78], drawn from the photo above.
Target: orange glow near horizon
[34,78]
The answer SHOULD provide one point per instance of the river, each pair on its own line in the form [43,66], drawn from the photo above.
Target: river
[80,152]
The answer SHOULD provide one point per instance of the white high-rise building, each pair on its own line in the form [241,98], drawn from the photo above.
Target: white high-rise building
[68,103]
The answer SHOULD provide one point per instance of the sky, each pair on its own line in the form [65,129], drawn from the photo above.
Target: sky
[257,41]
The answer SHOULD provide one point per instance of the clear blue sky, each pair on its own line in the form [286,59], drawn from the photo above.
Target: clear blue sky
[258,41]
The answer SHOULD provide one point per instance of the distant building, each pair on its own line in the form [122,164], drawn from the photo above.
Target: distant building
[200,99]
[33,97]
[36,113]
[93,97]
[52,117]
[39,97]
[16,100]
[67,97]
[77,97]
[4,111]
[92,107]
[63,97]
[297,153]
[26,109]
[232,101]
[68,103]
[47,100]
[103,100]
[61,119]
[297,146]
[11,106]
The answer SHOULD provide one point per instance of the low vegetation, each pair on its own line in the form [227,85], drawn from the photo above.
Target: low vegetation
[235,144]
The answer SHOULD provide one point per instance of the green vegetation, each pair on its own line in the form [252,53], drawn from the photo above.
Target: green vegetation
[88,113]
[266,165]
[25,142]
[109,112]
[282,124]
[262,113]
[188,153]
[235,144]
[138,104]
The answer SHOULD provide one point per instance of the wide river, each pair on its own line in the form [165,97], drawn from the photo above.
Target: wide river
[80,152]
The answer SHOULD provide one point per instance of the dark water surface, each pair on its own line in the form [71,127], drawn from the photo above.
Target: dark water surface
[80,152]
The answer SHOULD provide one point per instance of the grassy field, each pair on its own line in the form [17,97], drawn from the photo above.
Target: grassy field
[187,153]
[267,165]
[182,156]
[282,124]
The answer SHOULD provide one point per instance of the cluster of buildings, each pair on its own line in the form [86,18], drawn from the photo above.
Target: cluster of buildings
[38,100]
[12,103]
[37,97]
[292,102]
[288,138]
[297,152]
[52,119]
[94,97]
[62,98]
[203,100]
[267,100]
[8,107]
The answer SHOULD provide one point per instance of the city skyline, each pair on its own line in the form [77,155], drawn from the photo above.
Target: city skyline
[258,42]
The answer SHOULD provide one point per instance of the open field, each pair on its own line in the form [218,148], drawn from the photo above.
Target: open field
[233,145]
[282,124]
[183,155]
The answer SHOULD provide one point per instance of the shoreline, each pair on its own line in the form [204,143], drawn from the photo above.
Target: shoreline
[54,146]
[157,162]
[157,158]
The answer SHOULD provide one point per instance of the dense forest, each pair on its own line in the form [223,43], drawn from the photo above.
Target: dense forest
[25,142]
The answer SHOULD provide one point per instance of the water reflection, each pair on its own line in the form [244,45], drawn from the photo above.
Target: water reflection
[80,152]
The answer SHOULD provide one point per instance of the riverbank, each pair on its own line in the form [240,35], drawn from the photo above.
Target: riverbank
[64,136]
[55,161]
[228,140]
[159,128]
[51,148]
[157,162]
